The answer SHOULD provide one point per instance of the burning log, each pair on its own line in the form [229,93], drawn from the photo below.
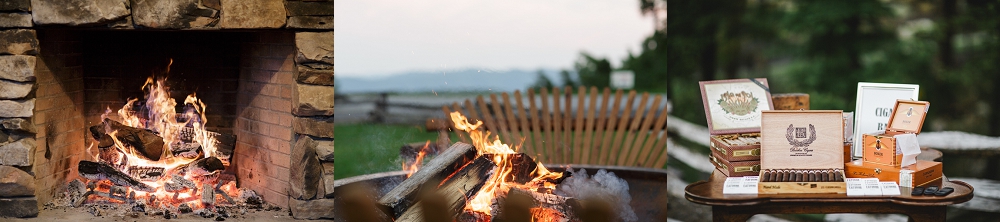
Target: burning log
[146,173]
[224,145]
[99,171]
[521,166]
[458,188]
[403,196]
[143,141]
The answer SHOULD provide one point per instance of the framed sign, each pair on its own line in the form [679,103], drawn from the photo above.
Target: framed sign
[874,107]
[735,105]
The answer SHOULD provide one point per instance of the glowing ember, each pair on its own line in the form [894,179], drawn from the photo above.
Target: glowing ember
[175,178]
[493,187]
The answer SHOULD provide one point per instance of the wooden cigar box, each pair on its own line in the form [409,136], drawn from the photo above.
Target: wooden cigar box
[882,148]
[921,173]
[847,152]
[735,168]
[736,147]
[800,142]
[733,108]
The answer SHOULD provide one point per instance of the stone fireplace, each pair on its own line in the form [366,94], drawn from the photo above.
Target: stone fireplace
[264,68]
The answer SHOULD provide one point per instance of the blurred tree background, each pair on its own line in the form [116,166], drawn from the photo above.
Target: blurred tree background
[825,47]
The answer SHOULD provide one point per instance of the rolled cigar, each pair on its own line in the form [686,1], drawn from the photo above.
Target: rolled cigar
[787,177]
[819,177]
[774,176]
[798,177]
[828,176]
[836,176]
[765,176]
[812,177]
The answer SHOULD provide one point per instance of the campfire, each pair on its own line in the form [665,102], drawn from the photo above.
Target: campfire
[491,181]
[148,155]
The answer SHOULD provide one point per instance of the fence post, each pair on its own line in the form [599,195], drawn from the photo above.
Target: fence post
[381,109]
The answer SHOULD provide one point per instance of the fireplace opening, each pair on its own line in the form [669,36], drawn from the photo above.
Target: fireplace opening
[245,79]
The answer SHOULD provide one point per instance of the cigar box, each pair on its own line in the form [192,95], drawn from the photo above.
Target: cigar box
[805,142]
[736,147]
[732,109]
[735,168]
[921,173]
[848,147]
[882,148]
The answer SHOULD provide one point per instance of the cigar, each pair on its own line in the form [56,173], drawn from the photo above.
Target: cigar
[787,177]
[798,177]
[774,176]
[812,177]
[829,176]
[836,176]
[765,175]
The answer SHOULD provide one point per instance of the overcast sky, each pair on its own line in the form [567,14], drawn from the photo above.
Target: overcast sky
[377,38]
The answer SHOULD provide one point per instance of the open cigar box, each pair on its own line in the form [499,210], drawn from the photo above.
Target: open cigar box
[733,110]
[802,152]
[883,148]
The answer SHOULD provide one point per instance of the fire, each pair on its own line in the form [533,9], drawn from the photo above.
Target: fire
[158,114]
[486,144]
[413,167]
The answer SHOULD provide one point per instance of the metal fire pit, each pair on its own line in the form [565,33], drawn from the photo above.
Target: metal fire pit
[648,187]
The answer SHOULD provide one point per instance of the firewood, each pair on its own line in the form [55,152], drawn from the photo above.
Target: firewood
[403,196]
[146,173]
[99,171]
[458,188]
[147,143]
[522,166]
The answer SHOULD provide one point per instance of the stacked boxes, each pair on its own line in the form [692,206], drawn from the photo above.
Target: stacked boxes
[733,111]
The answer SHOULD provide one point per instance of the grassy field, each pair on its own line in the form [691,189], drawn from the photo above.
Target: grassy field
[368,148]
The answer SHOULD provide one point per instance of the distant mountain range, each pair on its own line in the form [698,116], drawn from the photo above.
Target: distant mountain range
[449,81]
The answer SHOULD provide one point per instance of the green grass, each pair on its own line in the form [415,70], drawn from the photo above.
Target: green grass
[368,148]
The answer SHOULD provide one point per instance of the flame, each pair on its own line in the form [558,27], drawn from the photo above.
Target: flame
[159,115]
[487,144]
[413,167]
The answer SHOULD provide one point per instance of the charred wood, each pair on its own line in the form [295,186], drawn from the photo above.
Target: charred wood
[458,188]
[403,196]
[99,171]
[143,141]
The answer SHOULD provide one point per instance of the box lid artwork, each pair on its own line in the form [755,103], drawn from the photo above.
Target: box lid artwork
[908,116]
[735,105]
[805,139]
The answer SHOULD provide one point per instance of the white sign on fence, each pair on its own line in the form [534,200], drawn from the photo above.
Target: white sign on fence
[622,79]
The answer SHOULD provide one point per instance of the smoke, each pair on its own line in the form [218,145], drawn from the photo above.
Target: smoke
[602,186]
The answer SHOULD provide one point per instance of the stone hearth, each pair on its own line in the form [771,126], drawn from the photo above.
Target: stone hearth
[267,65]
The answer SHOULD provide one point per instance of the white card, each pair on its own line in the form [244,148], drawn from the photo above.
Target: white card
[732,185]
[749,185]
[871,186]
[854,187]
[889,188]
[907,145]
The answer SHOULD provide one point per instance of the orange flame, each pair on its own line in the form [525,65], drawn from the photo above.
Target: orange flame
[162,118]
[413,167]
[481,202]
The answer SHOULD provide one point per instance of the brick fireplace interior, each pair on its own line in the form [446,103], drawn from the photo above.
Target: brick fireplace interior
[244,78]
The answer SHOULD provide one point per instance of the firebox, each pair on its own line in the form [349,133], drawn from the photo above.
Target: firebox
[260,73]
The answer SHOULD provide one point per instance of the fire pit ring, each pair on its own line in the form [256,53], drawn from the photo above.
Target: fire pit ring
[648,187]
